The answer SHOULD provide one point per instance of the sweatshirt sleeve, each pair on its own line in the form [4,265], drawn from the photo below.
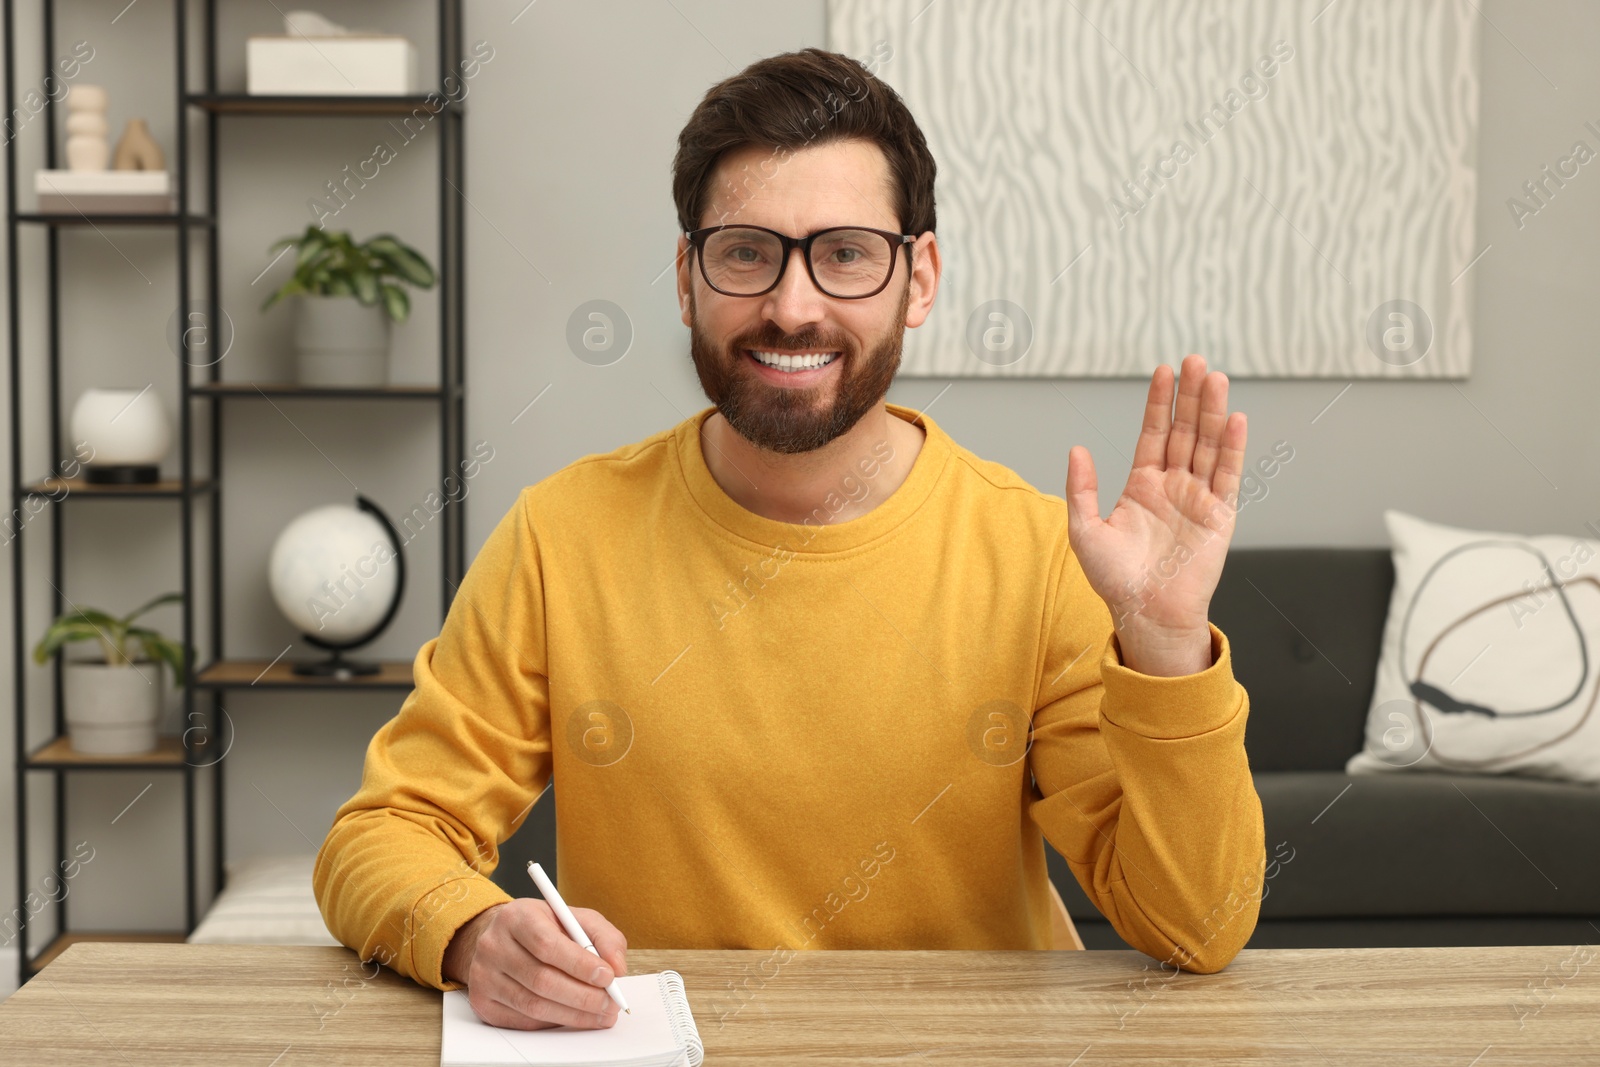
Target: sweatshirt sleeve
[452,775]
[1142,784]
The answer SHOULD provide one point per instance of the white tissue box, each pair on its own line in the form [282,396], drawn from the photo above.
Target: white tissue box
[330,66]
[116,192]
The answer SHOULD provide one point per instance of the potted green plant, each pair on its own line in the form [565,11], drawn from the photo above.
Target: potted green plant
[347,296]
[113,703]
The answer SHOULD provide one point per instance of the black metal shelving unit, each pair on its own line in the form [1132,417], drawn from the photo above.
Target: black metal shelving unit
[187,755]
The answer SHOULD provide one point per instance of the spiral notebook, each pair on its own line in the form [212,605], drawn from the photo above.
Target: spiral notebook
[660,1031]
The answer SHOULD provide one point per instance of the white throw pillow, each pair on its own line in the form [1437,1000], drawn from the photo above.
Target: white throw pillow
[1491,656]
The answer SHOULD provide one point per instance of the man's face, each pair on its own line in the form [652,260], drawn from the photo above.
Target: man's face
[845,183]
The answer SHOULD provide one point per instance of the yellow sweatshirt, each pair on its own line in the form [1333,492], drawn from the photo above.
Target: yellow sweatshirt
[771,735]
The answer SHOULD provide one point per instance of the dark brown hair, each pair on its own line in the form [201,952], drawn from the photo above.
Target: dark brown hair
[797,100]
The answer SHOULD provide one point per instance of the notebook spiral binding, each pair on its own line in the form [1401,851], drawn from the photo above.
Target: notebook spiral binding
[681,1019]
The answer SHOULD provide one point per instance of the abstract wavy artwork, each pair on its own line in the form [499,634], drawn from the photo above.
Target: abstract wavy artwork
[1284,186]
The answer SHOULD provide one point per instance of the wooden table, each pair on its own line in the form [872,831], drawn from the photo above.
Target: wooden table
[171,1005]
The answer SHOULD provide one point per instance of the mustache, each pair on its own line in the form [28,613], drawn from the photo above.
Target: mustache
[769,344]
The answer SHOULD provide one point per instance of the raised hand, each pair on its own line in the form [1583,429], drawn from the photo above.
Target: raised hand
[1156,560]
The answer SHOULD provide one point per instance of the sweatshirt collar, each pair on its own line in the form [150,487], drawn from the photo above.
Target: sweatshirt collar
[822,535]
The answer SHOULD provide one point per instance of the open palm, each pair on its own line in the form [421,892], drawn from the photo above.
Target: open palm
[1156,560]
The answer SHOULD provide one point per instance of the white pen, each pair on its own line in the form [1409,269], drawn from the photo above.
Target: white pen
[570,924]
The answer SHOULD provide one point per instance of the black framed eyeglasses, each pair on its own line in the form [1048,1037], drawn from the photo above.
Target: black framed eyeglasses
[846,262]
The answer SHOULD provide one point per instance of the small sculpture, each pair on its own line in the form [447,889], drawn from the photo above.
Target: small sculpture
[137,150]
[87,148]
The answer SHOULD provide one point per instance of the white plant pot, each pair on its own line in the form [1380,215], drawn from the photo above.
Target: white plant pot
[113,710]
[340,341]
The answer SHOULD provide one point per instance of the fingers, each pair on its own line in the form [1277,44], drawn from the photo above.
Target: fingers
[587,974]
[532,966]
[1186,421]
[1151,450]
[608,940]
[509,1004]
[1230,460]
[1213,419]
[1083,489]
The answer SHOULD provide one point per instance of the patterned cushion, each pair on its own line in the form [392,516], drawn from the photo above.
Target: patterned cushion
[268,901]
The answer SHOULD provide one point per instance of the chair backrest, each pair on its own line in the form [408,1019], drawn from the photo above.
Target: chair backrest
[1062,933]
[1305,626]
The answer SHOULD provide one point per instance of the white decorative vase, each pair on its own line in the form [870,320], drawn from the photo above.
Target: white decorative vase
[127,432]
[112,710]
[87,148]
[340,341]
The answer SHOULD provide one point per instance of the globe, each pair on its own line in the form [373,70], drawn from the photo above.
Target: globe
[334,573]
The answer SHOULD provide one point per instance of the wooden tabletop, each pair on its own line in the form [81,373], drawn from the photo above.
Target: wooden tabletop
[266,1006]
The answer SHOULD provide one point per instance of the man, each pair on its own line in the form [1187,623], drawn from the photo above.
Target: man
[807,673]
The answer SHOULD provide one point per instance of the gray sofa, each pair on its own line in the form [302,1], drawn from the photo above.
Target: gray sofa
[1399,859]
[1418,859]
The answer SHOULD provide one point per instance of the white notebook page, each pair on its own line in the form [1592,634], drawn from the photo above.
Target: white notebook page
[644,1037]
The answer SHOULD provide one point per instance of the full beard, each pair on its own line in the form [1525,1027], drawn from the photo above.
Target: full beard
[792,420]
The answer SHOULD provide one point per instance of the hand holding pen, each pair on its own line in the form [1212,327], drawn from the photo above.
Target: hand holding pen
[524,969]
[570,924]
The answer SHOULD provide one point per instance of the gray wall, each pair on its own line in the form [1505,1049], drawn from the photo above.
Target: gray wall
[571,131]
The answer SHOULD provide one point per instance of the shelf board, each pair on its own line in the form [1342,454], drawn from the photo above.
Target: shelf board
[61,942]
[248,673]
[289,389]
[99,219]
[166,487]
[247,104]
[58,754]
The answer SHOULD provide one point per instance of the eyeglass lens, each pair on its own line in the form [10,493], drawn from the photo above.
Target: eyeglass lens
[846,262]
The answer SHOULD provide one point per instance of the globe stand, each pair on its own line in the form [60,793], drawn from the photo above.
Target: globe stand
[121,473]
[336,666]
